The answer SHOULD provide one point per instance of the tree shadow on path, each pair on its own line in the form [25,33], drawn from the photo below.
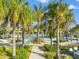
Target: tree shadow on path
[37,53]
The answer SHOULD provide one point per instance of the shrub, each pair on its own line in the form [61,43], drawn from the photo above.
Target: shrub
[37,41]
[65,48]
[66,57]
[63,40]
[49,51]
[49,55]
[49,48]
[18,40]
[1,49]
[22,52]
[27,47]
[8,51]
[4,50]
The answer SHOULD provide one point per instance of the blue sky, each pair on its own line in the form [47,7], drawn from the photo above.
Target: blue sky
[74,4]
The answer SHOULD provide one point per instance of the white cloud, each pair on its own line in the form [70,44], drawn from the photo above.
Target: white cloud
[43,1]
[73,7]
[77,0]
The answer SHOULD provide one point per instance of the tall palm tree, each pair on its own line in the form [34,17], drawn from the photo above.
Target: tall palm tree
[39,13]
[59,11]
[2,13]
[13,15]
[25,18]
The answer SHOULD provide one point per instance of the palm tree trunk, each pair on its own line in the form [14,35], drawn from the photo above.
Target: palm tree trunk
[14,40]
[38,31]
[51,42]
[18,35]
[22,36]
[57,38]
[4,32]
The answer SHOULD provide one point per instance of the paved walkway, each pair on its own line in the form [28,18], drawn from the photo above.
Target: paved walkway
[36,53]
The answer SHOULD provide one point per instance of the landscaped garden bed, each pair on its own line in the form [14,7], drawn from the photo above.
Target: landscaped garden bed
[37,41]
[65,48]
[50,52]
[22,52]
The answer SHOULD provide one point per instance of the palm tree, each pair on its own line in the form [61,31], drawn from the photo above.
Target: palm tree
[25,18]
[59,11]
[75,29]
[2,12]
[50,23]
[13,15]
[39,13]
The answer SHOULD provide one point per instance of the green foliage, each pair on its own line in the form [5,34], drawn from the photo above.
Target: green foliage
[58,11]
[5,49]
[1,49]
[27,47]
[65,48]
[66,57]
[74,29]
[39,12]
[49,51]
[49,48]
[2,13]
[48,55]
[75,35]
[8,29]
[8,51]
[22,52]
[18,40]
[37,41]
[63,40]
